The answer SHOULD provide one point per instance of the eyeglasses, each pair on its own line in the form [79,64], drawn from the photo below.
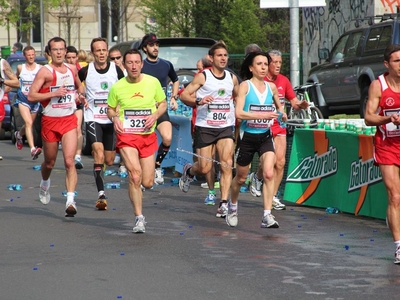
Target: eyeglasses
[115,58]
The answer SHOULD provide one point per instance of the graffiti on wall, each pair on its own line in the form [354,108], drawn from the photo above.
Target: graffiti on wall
[324,25]
[390,5]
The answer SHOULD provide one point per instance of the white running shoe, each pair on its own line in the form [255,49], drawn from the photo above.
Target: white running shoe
[139,225]
[277,205]
[397,256]
[185,180]
[268,221]
[70,209]
[222,210]
[255,185]
[44,194]
[158,176]
[232,218]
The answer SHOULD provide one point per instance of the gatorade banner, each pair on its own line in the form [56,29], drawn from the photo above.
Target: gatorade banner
[181,148]
[334,168]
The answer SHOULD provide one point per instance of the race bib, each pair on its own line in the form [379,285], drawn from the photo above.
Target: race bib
[66,101]
[100,107]
[260,109]
[25,87]
[135,119]
[217,114]
[391,129]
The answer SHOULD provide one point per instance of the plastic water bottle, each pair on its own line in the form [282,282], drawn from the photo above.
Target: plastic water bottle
[244,189]
[123,174]
[14,187]
[281,123]
[37,167]
[175,180]
[331,210]
[64,193]
[110,173]
[112,185]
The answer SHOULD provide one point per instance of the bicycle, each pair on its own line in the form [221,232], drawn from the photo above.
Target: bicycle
[296,117]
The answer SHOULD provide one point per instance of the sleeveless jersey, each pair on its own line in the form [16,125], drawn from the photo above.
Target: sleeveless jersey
[97,89]
[258,102]
[26,78]
[388,105]
[221,112]
[60,106]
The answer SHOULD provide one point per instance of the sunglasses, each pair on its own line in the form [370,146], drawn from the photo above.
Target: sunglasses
[114,58]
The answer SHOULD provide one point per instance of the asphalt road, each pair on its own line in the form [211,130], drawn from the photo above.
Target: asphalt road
[186,252]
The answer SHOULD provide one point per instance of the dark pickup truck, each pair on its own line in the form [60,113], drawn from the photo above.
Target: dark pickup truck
[354,62]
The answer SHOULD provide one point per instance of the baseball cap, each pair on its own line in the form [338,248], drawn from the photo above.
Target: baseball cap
[149,38]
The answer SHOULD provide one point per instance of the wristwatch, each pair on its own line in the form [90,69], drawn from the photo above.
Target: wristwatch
[1,80]
[198,101]
[175,97]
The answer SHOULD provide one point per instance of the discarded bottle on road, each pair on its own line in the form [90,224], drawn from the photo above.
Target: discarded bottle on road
[37,167]
[14,187]
[112,185]
[175,180]
[331,210]
[64,193]
[123,174]
[110,173]
[244,189]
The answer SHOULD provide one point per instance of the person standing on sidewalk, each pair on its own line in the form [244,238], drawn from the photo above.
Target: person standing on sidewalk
[57,87]
[26,73]
[164,71]
[383,111]
[215,90]
[285,91]
[141,101]
[98,78]
[257,105]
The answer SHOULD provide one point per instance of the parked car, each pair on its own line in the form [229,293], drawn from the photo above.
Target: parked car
[354,62]
[13,121]
[182,52]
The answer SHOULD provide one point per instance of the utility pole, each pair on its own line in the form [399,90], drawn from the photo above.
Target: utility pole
[294,43]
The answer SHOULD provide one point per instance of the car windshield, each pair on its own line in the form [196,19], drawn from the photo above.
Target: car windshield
[16,63]
[182,57]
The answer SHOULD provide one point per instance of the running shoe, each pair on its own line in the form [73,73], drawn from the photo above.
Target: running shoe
[232,218]
[122,170]
[222,210]
[44,194]
[277,204]
[204,185]
[1,157]
[78,163]
[101,203]
[19,142]
[255,185]
[35,153]
[397,256]
[139,225]
[210,199]
[268,221]
[158,176]
[70,209]
[185,180]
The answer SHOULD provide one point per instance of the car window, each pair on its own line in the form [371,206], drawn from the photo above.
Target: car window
[352,44]
[338,49]
[379,38]
[15,64]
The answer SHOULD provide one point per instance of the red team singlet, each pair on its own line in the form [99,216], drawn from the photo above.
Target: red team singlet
[285,91]
[387,137]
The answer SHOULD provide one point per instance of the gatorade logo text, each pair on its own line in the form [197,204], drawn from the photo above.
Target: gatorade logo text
[317,166]
[363,173]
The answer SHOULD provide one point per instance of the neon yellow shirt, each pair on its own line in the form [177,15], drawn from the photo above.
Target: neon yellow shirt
[136,101]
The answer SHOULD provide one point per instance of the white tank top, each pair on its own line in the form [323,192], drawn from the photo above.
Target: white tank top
[26,78]
[61,106]
[97,89]
[221,112]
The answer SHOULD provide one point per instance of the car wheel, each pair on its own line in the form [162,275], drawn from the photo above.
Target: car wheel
[363,101]
[2,134]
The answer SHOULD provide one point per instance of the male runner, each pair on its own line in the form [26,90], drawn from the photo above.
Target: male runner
[134,124]
[98,77]
[164,71]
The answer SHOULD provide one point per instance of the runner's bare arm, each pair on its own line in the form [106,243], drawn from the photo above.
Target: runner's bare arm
[188,96]
[374,97]
[12,80]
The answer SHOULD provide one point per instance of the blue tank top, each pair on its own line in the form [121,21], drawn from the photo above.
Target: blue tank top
[257,102]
